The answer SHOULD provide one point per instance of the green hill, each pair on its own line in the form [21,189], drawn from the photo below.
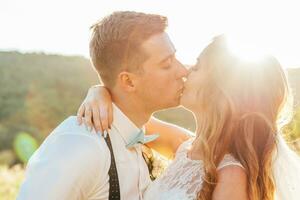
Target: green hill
[38,91]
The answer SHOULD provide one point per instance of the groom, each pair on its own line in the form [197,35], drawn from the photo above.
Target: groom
[136,61]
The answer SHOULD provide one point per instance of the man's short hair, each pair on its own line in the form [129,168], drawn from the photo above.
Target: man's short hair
[116,42]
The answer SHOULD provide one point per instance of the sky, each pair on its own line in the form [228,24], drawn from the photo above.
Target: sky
[62,26]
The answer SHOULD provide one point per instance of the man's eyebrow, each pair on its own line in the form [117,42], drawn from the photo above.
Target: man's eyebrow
[168,57]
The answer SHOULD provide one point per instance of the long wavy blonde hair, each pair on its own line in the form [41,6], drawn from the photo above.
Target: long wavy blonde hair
[240,105]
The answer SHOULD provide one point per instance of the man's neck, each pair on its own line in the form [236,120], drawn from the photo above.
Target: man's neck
[132,110]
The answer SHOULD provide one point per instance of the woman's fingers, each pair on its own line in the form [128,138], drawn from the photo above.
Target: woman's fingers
[95,116]
[96,119]
[96,110]
[88,118]
[110,115]
[104,117]
[80,114]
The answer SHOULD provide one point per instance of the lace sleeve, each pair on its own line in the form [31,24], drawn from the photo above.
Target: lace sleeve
[184,147]
[229,160]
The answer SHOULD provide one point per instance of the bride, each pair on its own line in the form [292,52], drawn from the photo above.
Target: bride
[238,148]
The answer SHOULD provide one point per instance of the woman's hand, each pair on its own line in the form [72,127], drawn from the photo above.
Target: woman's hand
[96,110]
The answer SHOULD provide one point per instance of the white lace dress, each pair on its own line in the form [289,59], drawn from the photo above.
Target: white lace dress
[182,180]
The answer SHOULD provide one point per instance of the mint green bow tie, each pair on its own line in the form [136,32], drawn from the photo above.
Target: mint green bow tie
[142,139]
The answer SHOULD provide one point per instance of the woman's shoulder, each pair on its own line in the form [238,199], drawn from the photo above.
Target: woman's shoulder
[232,180]
[232,183]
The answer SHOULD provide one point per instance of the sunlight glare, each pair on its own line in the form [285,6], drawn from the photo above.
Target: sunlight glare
[246,49]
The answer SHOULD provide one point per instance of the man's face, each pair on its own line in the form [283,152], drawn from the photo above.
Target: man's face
[161,82]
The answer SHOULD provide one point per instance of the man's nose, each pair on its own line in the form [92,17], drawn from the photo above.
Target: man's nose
[183,71]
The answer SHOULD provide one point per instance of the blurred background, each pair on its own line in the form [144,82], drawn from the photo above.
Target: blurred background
[45,70]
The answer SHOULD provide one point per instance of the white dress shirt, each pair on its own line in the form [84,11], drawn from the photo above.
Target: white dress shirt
[73,164]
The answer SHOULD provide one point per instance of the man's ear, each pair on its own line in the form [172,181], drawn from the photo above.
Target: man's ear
[128,81]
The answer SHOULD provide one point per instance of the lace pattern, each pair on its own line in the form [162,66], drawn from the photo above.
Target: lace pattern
[182,180]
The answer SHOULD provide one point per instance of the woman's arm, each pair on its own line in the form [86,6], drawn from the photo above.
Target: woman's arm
[171,136]
[97,112]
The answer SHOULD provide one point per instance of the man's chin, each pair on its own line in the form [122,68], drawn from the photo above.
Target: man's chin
[176,103]
[173,104]
[182,101]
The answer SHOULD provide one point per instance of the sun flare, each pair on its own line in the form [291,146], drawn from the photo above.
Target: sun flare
[248,49]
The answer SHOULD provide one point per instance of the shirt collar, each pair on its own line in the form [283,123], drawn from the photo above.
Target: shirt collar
[126,128]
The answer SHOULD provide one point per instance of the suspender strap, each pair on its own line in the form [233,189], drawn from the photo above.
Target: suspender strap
[114,187]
